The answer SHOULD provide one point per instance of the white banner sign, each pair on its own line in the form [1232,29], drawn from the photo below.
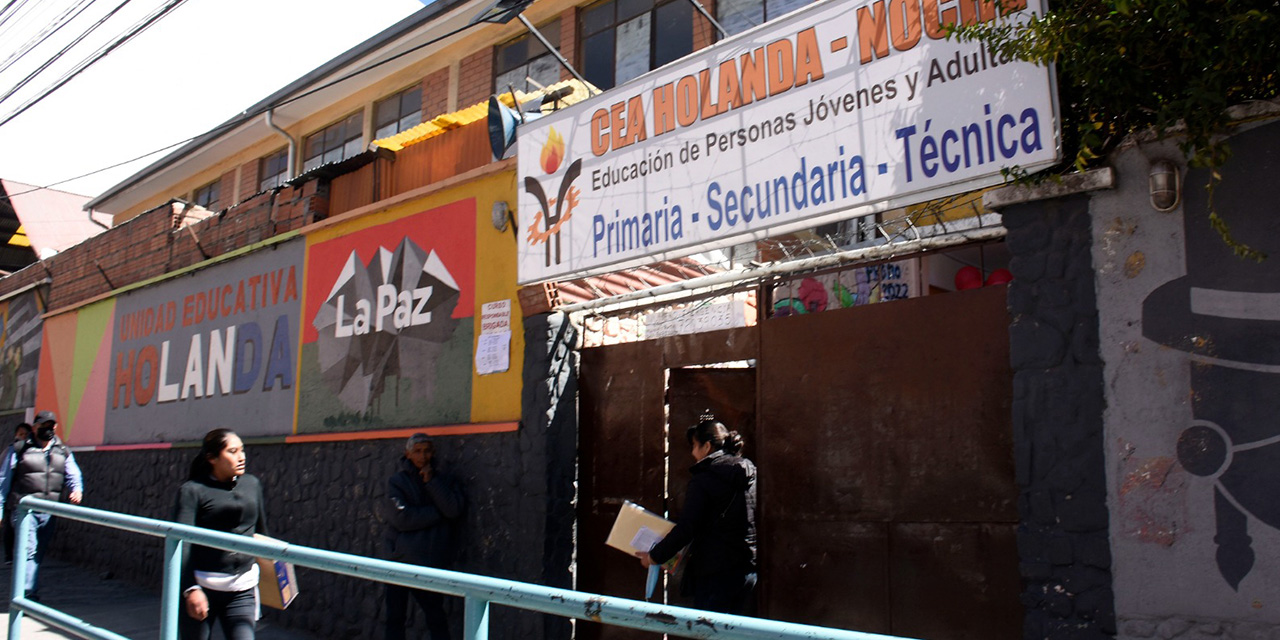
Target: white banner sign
[840,109]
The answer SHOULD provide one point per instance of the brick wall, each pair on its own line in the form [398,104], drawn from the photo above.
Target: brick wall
[148,245]
[248,179]
[226,190]
[435,93]
[569,40]
[475,78]
[704,35]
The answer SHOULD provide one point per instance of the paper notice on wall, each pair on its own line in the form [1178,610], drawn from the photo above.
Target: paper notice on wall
[495,317]
[493,352]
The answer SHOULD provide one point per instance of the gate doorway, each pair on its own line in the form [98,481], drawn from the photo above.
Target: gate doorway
[729,392]
[883,437]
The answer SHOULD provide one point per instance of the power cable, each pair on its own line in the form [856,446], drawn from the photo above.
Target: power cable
[57,56]
[6,17]
[37,14]
[48,32]
[101,53]
[246,116]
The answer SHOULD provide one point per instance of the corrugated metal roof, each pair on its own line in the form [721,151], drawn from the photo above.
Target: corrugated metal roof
[445,122]
[620,282]
[331,170]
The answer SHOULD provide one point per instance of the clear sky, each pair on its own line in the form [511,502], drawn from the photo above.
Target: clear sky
[197,67]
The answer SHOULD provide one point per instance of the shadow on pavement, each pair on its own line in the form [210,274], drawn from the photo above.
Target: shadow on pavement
[116,605]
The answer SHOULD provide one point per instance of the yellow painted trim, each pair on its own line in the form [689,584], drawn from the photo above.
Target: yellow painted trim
[421,192]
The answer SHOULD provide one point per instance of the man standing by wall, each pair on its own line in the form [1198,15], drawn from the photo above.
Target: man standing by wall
[420,519]
[45,468]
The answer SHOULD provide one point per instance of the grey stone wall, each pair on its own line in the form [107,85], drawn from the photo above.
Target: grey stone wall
[1058,403]
[519,489]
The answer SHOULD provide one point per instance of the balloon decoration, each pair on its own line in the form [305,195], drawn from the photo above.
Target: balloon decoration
[968,278]
[999,276]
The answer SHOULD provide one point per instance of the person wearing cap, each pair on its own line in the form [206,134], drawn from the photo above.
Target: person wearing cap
[422,508]
[43,467]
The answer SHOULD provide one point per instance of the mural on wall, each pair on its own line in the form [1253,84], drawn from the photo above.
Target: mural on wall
[75,361]
[847,288]
[1225,314]
[20,336]
[389,331]
[214,348]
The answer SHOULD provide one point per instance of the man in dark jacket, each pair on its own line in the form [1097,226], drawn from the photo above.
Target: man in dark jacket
[45,468]
[423,510]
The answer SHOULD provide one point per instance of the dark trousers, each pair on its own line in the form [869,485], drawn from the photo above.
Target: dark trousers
[728,592]
[236,611]
[432,604]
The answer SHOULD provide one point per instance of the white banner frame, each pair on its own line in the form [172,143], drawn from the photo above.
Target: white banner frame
[870,113]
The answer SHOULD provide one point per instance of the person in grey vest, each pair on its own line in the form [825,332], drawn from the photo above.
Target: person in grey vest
[45,468]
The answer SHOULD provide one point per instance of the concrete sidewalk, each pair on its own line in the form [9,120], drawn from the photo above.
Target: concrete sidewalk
[119,606]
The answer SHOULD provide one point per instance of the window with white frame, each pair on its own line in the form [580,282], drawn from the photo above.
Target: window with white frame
[207,196]
[273,170]
[334,143]
[622,39]
[525,57]
[397,113]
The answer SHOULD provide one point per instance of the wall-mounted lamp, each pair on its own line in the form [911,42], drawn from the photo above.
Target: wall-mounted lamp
[1165,185]
[501,215]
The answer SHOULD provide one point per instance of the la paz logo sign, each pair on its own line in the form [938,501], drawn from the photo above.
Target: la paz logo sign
[837,110]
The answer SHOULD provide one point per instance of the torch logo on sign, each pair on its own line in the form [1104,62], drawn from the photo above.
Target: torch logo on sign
[547,223]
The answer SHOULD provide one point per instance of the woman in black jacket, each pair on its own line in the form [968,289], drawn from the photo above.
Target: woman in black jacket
[220,585]
[718,523]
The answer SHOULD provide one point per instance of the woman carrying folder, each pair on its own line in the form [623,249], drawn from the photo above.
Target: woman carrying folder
[220,585]
[718,523]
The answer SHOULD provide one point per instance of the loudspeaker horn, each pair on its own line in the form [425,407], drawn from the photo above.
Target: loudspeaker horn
[503,122]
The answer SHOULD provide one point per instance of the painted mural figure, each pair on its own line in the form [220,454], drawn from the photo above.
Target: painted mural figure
[220,585]
[718,523]
[20,332]
[424,508]
[1225,314]
[387,319]
[43,467]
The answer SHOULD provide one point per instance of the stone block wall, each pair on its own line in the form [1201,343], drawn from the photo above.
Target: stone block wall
[1063,544]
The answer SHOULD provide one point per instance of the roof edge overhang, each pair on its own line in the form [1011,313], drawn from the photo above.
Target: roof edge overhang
[401,30]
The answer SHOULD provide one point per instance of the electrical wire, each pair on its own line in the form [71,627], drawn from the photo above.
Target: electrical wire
[48,32]
[5,18]
[57,56]
[247,116]
[101,53]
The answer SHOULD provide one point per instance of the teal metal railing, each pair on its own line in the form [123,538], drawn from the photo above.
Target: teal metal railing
[479,591]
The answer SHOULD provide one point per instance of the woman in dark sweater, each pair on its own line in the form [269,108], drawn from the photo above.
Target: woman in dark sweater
[718,523]
[220,585]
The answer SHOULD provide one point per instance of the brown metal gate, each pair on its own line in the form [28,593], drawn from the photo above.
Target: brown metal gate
[882,434]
